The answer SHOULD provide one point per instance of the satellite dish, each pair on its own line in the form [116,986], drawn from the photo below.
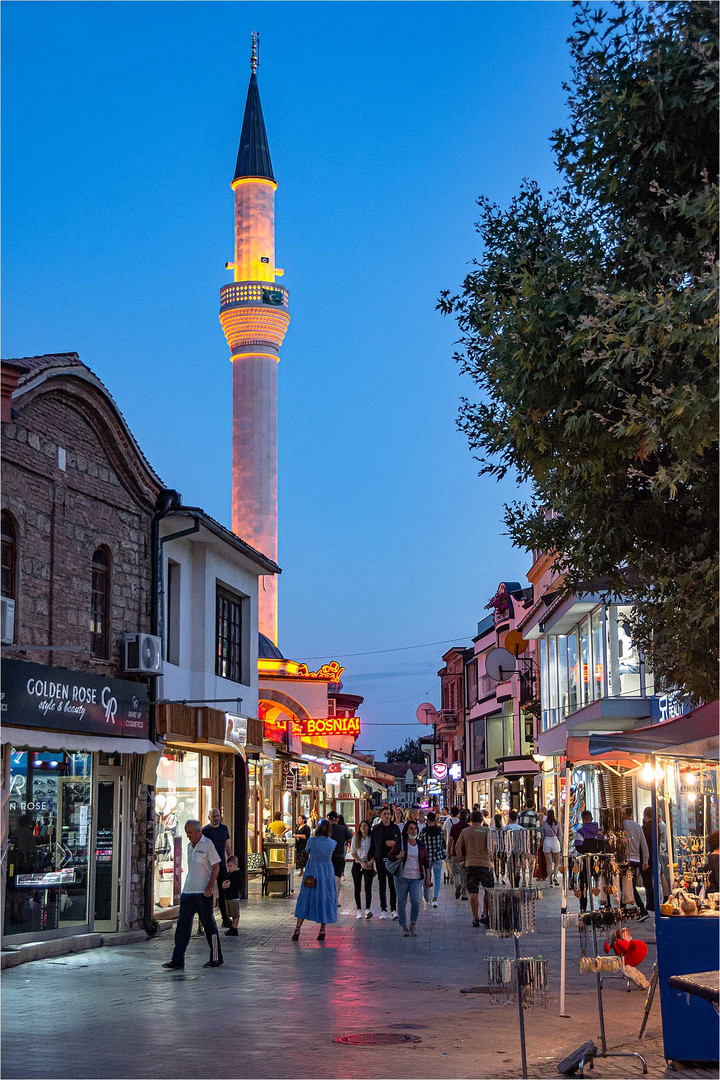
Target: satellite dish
[499,664]
[426,713]
[515,642]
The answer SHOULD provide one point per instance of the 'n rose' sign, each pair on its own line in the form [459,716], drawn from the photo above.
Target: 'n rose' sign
[37,696]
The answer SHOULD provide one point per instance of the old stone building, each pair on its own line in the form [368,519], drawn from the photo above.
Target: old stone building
[78,506]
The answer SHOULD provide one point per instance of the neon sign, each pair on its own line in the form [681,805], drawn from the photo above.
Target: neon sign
[331,671]
[332,725]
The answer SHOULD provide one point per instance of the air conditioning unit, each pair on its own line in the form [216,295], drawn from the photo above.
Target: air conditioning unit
[8,620]
[143,654]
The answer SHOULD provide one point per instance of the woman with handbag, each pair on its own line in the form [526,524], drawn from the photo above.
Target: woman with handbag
[362,850]
[550,833]
[408,862]
[317,898]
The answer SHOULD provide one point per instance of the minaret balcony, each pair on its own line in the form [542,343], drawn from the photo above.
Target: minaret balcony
[253,294]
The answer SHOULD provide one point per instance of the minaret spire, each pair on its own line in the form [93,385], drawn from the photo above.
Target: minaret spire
[254,316]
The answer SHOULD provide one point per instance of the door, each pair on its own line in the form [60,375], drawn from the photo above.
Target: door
[108,854]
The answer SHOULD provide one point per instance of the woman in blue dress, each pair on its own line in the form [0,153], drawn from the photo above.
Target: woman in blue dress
[318,904]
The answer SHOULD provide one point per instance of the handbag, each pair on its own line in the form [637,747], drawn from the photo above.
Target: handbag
[309,881]
[540,869]
[394,866]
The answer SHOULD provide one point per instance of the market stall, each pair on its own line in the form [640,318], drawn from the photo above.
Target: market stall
[681,762]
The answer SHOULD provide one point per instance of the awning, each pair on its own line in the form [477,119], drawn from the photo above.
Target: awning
[73,742]
[694,735]
[578,753]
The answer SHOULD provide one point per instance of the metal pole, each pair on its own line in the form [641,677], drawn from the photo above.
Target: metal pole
[521,1015]
[595,948]
[563,905]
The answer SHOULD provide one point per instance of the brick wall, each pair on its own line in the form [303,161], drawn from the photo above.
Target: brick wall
[105,496]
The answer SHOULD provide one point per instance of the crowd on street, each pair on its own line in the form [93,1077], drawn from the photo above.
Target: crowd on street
[409,853]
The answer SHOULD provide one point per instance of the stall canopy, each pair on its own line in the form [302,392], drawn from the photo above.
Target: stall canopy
[694,735]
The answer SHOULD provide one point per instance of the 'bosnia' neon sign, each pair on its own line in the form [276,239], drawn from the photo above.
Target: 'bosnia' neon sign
[332,725]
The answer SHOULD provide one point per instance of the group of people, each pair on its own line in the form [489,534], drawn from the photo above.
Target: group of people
[405,850]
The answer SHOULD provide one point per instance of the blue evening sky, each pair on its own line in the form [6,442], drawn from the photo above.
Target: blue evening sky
[386,121]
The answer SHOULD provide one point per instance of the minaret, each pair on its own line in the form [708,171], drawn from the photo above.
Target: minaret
[254,317]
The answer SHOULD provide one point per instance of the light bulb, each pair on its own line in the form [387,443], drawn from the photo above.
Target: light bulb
[647,773]
[692,797]
[690,779]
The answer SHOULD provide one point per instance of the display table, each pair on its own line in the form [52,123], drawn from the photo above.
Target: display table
[703,984]
[279,858]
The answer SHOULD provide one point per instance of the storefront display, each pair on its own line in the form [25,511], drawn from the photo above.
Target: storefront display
[177,801]
[49,837]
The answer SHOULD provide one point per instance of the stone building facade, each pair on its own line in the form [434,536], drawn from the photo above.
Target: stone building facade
[78,502]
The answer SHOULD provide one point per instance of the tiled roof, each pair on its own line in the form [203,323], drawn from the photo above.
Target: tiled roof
[399,768]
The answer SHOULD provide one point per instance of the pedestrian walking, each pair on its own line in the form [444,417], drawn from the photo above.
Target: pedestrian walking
[412,815]
[203,864]
[588,841]
[399,817]
[385,835]
[529,817]
[220,836]
[362,850]
[302,835]
[434,840]
[317,898]
[472,849]
[409,882]
[456,866]
[449,821]
[231,889]
[342,837]
[638,857]
[421,820]
[550,833]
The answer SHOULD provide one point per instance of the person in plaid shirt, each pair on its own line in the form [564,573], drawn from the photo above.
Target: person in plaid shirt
[434,841]
[529,817]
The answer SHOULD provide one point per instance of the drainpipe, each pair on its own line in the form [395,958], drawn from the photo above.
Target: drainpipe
[167,500]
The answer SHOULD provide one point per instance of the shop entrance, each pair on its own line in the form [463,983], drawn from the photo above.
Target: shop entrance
[108,850]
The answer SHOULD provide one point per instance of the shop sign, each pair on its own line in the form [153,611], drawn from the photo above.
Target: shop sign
[47,880]
[294,737]
[440,770]
[37,696]
[455,770]
[331,725]
[236,729]
[433,787]
[670,706]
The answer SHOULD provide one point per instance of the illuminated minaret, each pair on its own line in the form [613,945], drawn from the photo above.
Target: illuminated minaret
[254,317]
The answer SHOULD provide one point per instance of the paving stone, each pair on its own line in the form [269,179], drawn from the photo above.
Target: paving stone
[274,1008]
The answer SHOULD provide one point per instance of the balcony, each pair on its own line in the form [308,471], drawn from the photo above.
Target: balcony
[253,294]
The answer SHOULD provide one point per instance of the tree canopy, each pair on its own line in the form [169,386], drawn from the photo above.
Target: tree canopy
[589,324]
[409,751]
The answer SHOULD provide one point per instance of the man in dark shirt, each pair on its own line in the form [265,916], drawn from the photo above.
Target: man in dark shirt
[385,835]
[458,870]
[342,837]
[220,836]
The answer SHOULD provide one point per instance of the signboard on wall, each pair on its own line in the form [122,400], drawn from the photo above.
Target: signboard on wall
[331,725]
[440,770]
[38,696]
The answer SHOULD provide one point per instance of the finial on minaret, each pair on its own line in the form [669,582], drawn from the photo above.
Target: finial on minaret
[254,54]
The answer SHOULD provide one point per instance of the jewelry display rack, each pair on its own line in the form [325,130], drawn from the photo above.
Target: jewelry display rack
[598,980]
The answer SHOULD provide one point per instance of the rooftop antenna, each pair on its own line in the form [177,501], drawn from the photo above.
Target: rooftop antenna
[254,54]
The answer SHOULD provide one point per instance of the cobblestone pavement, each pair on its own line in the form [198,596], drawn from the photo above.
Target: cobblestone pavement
[273,1009]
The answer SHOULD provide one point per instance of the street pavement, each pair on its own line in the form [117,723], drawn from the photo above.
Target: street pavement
[274,1008]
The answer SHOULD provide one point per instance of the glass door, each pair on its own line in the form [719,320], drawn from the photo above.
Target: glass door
[108,856]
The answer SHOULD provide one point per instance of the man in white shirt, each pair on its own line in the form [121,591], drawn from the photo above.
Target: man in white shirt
[638,856]
[197,897]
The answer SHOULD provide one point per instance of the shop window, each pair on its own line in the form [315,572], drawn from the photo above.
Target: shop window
[477,729]
[544,686]
[9,556]
[100,605]
[472,683]
[584,674]
[597,678]
[623,656]
[229,636]
[49,826]
[172,634]
[573,674]
[177,801]
[495,740]
[562,647]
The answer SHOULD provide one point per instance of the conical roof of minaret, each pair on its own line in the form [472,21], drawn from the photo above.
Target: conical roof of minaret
[254,153]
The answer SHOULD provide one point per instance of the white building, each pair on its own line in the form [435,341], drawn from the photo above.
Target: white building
[208,690]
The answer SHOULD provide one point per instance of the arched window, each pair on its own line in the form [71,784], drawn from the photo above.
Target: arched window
[9,556]
[100,605]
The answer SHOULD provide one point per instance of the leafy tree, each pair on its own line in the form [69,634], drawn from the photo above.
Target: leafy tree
[590,327]
[409,751]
